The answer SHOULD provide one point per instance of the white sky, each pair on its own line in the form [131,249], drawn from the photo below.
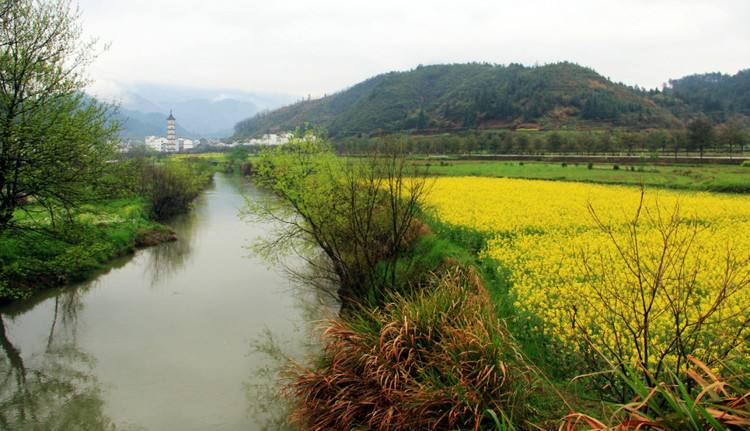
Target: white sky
[317,47]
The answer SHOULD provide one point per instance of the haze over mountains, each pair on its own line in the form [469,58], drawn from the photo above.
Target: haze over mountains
[200,113]
[465,96]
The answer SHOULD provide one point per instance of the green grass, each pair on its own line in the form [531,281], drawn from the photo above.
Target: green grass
[36,255]
[716,178]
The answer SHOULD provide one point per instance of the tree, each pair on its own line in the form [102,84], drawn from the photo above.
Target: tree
[730,135]
[350,220]
[54,141]
[700,133]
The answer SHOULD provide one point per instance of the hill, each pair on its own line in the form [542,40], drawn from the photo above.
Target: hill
[717,95]
[461,96]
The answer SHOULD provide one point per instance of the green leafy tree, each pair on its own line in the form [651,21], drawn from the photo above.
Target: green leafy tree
[700,134]
[731,135]
[54,141]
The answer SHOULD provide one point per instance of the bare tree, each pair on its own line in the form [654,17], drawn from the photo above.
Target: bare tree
[650,297]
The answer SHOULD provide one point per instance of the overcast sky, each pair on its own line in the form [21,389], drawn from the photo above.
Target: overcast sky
[316,47]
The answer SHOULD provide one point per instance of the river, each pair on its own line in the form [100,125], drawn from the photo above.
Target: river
[163,340]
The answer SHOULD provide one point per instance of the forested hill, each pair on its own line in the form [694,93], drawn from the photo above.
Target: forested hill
[458,96]
[717,95]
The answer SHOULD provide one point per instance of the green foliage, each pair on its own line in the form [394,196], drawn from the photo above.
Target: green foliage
[717,95]
[170,188]
[704,177]
[359,215]
[54,142]
[37,254]
[705,399]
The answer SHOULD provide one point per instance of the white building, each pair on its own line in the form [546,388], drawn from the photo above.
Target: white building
[270,140]
[157,143]
[184,144]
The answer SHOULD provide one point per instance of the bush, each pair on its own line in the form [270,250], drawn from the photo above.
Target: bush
[590,166]
[616,167]
[170,188]
[564,165]
[439,359]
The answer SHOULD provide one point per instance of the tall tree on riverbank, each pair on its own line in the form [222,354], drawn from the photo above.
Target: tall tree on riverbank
[54,141]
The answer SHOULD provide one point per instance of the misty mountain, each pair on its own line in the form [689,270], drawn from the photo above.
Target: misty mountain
[137,125]
[143,109]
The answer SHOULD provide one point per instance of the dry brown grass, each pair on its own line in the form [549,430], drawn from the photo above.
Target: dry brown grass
[707,401]
[439,359]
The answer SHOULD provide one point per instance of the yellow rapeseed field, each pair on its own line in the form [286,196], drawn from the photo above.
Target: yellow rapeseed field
[673,284]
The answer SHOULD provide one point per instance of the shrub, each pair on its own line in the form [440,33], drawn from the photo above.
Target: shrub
[616,167]
[170,188]
[564,165]
[590,165]
[438,359]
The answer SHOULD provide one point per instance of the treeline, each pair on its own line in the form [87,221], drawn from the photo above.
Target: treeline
[700,136]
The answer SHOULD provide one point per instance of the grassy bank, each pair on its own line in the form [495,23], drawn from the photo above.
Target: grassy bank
[716,178]
[38,255]
[48,247]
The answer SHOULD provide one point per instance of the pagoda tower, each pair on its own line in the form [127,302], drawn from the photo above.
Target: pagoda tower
[171,134]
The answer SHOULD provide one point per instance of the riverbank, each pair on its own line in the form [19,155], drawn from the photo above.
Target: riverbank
[38,256]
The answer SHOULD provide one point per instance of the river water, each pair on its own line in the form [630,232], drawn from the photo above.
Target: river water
[161,341]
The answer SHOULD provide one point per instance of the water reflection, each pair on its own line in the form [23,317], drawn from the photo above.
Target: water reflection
[275,352]
[169,258]
[159,341]
[53,389]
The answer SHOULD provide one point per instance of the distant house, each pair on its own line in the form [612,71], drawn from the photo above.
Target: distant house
[270,140]
[157,143]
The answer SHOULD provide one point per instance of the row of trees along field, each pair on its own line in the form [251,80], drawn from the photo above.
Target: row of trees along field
[700,136]
[68,200]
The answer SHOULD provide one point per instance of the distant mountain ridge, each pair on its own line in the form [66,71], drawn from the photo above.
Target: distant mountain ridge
[209,113]
[455,96]
[474,95]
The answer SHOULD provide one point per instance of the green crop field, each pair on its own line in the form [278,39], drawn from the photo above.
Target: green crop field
[719,178]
